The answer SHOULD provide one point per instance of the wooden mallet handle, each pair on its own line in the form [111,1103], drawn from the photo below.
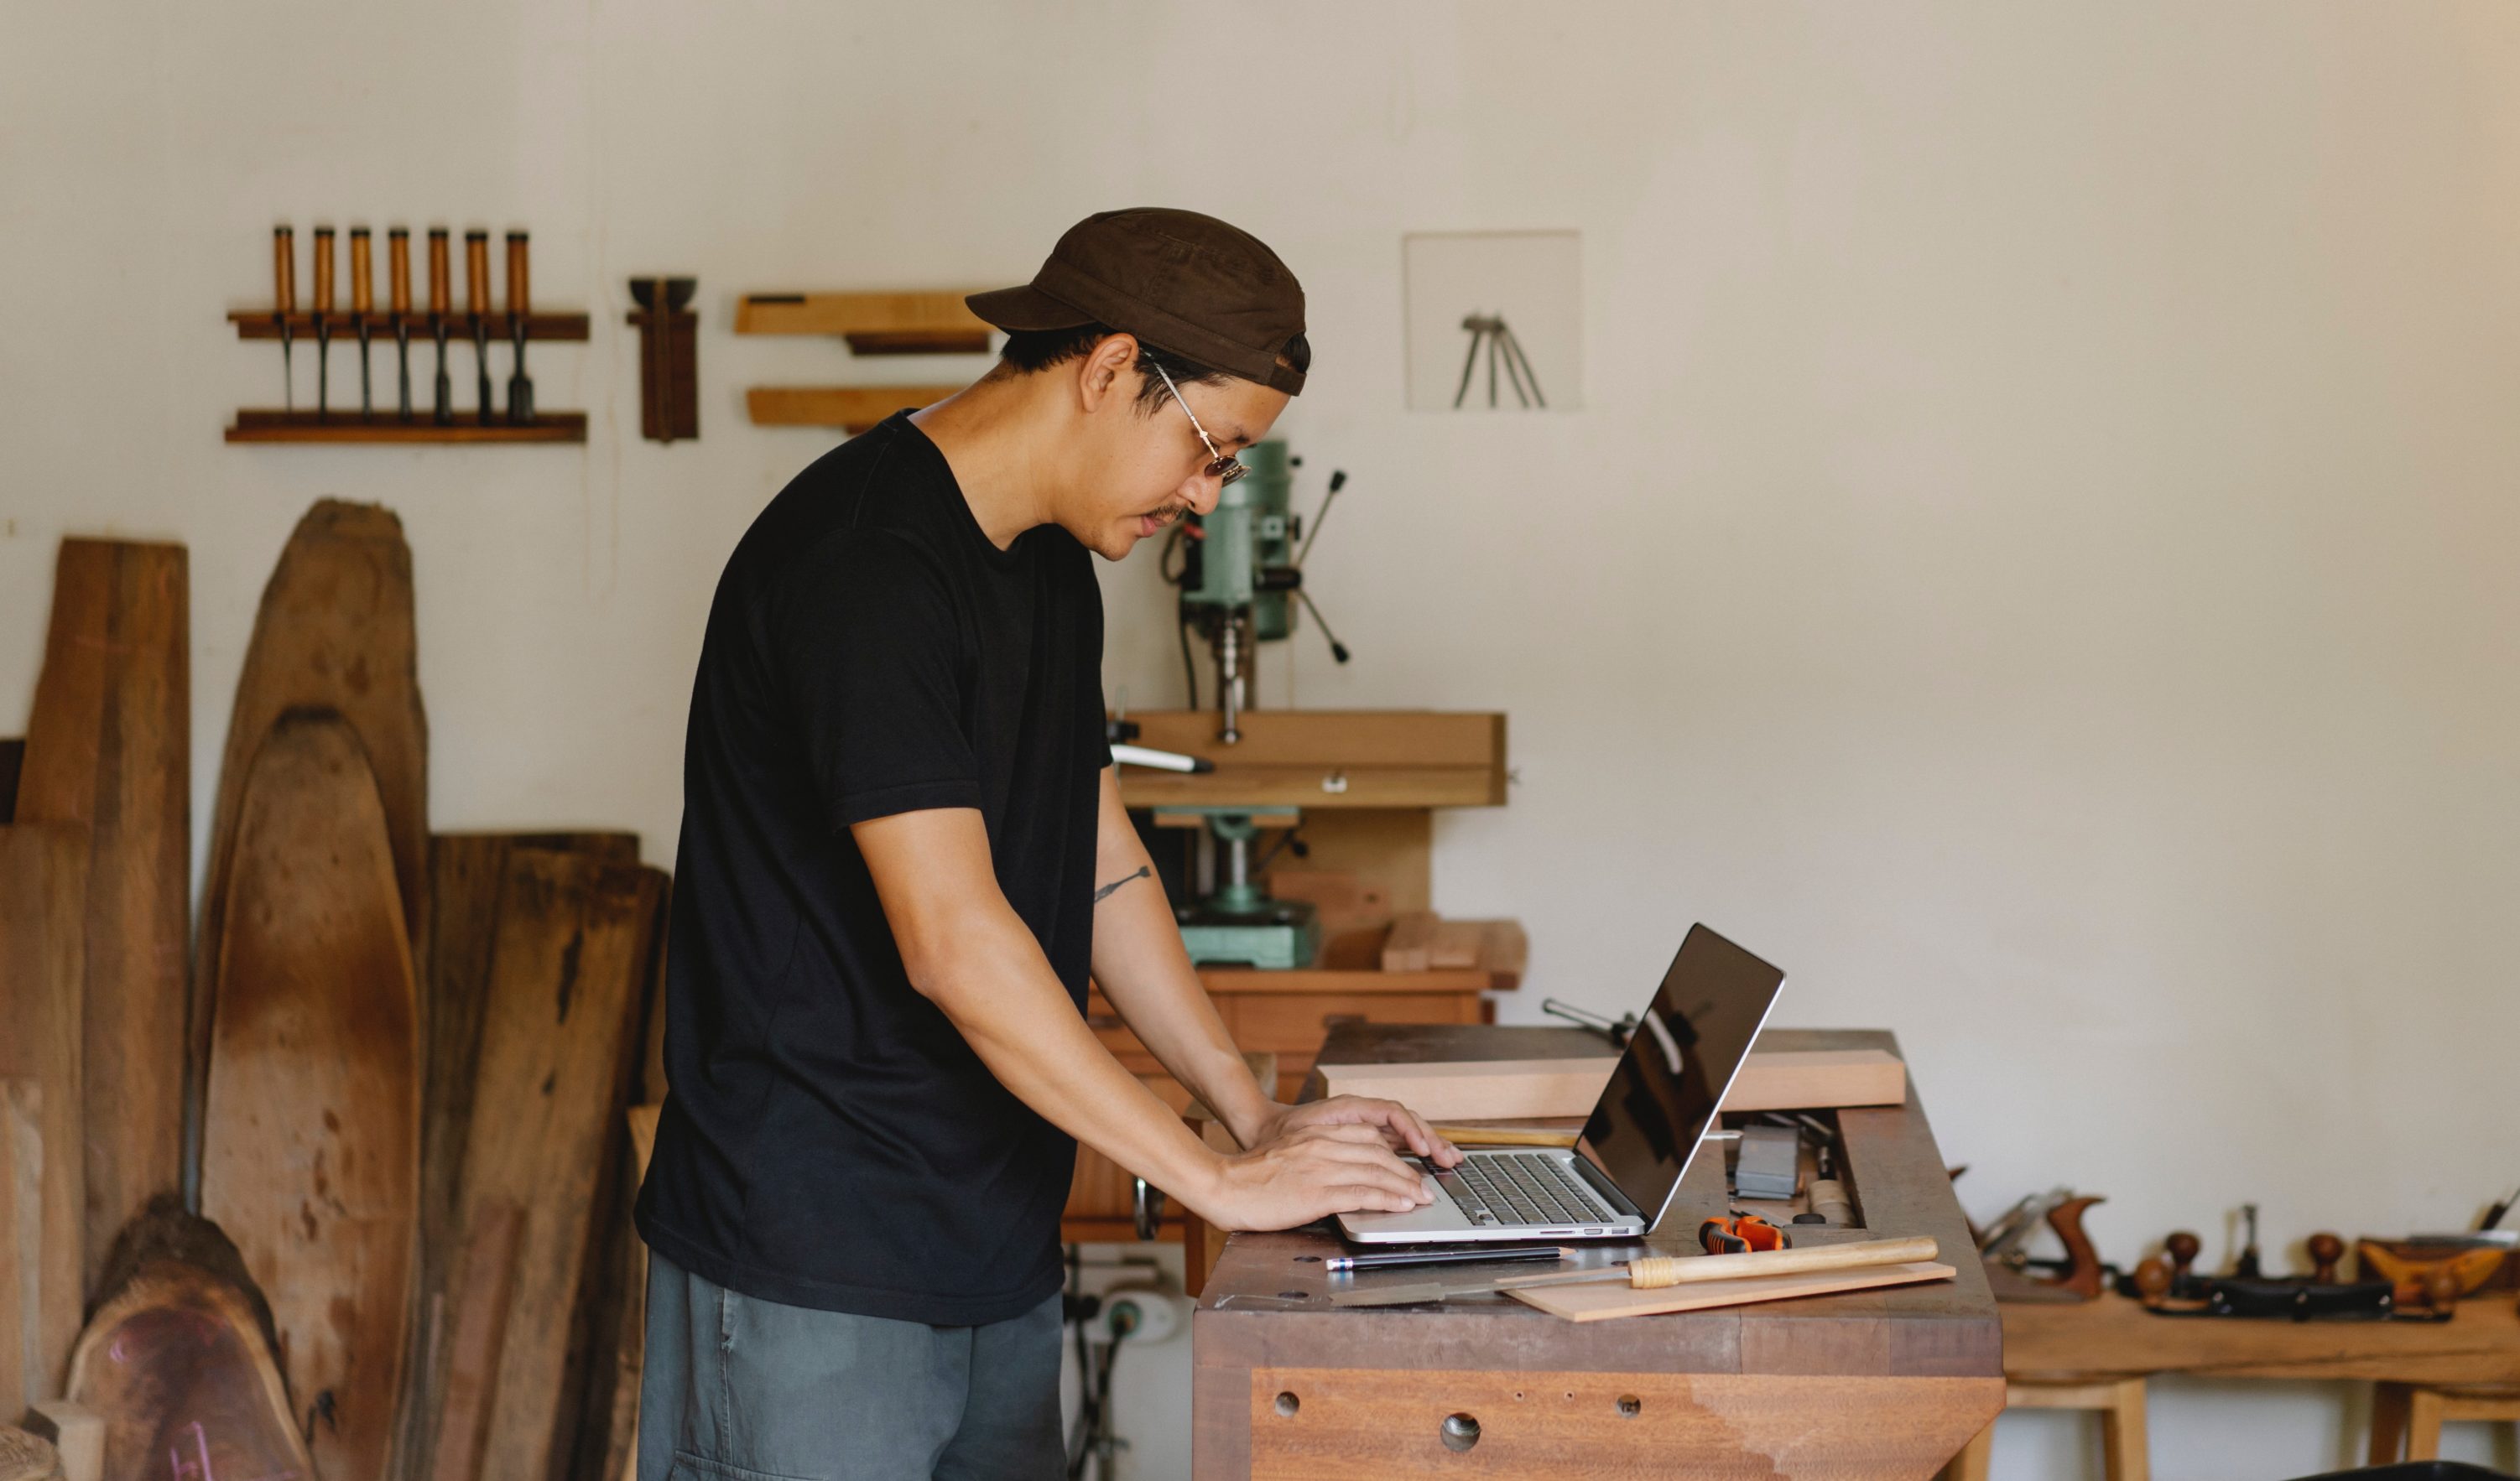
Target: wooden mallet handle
[398,268]
[363,289]
[323,271]
[519,292]
[441,288]
[476,273]
[284,270]
[1658,1271]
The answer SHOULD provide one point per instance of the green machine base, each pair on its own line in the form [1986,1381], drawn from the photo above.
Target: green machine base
[1279,935]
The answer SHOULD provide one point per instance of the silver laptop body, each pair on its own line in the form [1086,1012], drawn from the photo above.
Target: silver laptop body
[1636,1144]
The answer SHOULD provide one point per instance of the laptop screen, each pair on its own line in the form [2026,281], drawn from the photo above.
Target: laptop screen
[1688,1042]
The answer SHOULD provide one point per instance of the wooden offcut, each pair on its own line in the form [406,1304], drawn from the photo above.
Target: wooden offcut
[178,1360]
[1817,1080]
[567,966]
[43,916]
[932,316]
[110,745]
[1601,1302]
[850,408]
[334,632]
[310,1140]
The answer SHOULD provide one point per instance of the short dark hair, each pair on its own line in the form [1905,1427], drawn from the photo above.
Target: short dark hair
[1033,349]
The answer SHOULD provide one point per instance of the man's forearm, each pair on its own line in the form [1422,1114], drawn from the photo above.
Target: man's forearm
[1143,968]
[999,991]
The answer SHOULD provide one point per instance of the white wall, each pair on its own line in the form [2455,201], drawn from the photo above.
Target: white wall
[2036,560]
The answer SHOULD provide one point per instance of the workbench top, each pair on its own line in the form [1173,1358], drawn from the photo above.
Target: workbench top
[1887,1382]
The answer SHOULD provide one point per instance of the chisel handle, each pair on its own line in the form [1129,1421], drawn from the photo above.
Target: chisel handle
[363,288]
[442,290]
[284,270]
[520,290]
[1658,1271]
[476,273]
[398,268]
[323,271]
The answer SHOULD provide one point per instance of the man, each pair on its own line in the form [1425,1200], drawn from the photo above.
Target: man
[904,853]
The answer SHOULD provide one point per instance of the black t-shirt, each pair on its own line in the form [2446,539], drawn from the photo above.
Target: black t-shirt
[830,1139]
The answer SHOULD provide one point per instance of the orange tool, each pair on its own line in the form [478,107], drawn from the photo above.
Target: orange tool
[1739,1235]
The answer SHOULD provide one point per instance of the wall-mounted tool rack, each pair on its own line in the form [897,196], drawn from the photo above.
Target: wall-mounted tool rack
[441,327]
[873,324]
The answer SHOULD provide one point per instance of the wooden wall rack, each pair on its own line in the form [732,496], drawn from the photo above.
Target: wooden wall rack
[926,323]
[272,424]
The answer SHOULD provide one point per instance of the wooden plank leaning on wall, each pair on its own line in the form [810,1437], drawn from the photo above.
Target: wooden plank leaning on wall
[109,745]
[43,916]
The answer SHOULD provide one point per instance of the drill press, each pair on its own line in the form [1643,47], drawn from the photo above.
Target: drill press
[1242,575]
[1239,925]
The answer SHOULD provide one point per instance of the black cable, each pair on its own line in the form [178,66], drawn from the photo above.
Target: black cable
[1190,669]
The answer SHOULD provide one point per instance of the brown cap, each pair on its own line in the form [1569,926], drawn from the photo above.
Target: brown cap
[1177,280]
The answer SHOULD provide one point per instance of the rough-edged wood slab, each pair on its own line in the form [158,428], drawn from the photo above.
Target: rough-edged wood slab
[621,1411]
[570,957]
[43,916]
[464,870]
[178,1359]
[334,632]
[21,1240]
[310,1140]
[110,745]
[477,1327]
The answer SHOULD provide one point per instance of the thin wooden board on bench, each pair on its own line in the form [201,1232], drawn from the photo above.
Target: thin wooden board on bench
[310,1144]
[334,632]
[1496,1090]
[1604,1300]
[110,745]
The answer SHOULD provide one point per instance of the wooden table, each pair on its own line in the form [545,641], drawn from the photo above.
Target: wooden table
[1870,1384]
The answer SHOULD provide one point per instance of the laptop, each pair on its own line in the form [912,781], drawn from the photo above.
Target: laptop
[1652,1116]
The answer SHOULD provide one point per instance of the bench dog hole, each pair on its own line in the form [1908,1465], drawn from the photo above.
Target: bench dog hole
[1630,1406]
[1288,1404]
[1460,1432]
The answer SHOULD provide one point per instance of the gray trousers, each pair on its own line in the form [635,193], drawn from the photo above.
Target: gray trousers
[741,1389]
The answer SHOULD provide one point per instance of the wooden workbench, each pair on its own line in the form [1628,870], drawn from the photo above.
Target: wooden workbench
[1884,1383]
[2114,1337]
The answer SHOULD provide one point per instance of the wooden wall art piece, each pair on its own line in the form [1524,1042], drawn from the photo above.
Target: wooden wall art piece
[179,1359]
[669,358]
[110,745]
[43,916]
[310,1140]
[334,632]
[568,967]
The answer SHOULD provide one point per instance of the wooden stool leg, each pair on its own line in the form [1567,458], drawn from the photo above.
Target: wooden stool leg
[1971,1464]
[2388,1423]
[2424,1415]
[2126,1450]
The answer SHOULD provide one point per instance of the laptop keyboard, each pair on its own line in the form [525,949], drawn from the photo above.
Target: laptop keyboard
[1522,1187]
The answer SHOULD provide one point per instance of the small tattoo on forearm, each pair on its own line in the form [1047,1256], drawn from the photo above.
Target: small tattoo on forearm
[1105,892]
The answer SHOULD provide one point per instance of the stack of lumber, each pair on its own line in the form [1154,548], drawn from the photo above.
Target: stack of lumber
[368,1160]
[1423,941]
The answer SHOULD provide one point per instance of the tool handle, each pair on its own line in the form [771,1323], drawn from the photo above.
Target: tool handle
[442,291]
[323,271]
[476,273]
[363,288]
[284,270]
[398,268]
[519,293]
[1658,1271]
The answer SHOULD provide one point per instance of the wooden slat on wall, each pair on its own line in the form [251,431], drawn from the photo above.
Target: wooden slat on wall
[43,914]
[334,632]
[110,745]
[310,1140]
[570,959]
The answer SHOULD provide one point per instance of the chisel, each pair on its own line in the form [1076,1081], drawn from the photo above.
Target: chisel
[284,299]
[441,302]
[323,321]
[477,302]
[521,389]
[1656,1272]
[398,268]
[363,300]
